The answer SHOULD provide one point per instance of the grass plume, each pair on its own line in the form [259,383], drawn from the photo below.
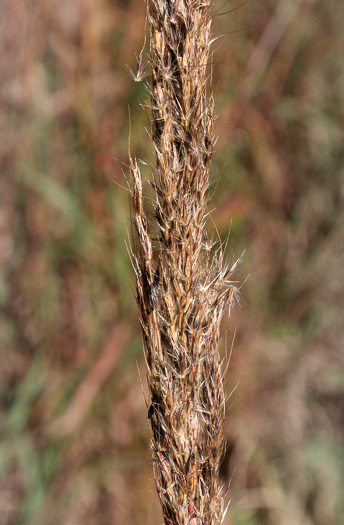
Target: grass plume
[183,285]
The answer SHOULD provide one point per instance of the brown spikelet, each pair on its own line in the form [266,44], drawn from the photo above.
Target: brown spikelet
[183,287]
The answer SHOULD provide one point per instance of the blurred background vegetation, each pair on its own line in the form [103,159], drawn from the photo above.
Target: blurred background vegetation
[74,433]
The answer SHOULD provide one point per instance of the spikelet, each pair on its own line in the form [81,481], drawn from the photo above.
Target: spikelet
[183,286]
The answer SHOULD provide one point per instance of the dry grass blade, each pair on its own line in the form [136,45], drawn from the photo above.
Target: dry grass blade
[183,286]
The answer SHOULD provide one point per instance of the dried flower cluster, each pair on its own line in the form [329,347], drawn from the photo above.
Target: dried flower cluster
[183,286]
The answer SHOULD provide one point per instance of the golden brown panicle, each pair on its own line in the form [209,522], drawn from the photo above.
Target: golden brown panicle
[183,286]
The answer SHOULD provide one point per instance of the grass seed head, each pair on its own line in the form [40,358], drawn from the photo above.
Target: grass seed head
[182,286]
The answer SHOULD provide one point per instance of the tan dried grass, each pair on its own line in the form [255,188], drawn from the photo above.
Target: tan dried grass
[183,285]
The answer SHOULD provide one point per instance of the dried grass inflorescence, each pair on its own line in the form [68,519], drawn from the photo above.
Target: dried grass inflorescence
[183,285]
